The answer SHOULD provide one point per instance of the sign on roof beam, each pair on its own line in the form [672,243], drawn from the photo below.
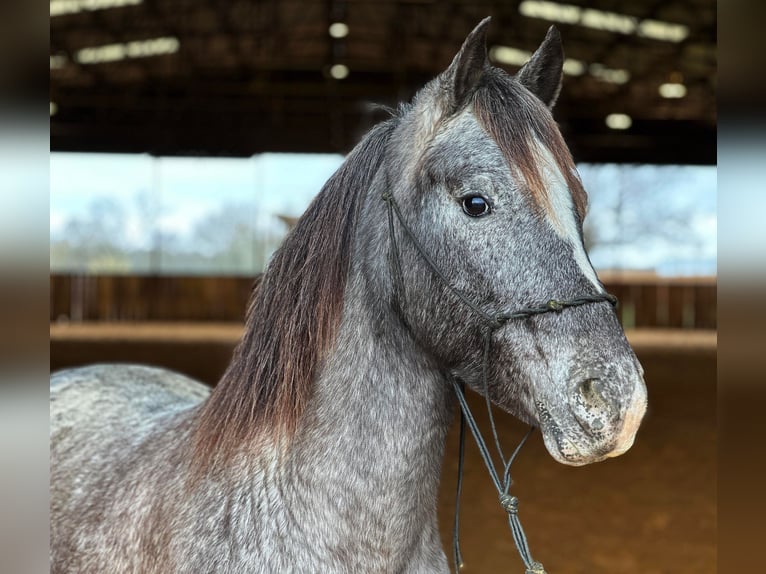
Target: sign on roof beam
[602,20]
[136,49]
[63,7]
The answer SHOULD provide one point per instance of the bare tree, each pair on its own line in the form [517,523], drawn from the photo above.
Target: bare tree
[635,206]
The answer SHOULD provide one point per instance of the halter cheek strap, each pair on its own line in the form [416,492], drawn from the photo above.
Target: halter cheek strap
[492,323]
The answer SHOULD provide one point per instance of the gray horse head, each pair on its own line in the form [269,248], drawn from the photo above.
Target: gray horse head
[483,178]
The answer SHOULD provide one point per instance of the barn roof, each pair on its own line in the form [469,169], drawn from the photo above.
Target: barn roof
[238,77]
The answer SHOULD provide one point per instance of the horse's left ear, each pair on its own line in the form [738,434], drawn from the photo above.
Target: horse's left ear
[543,73]
[462,77]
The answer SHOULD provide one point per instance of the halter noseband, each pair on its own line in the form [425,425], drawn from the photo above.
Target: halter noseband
[492,323]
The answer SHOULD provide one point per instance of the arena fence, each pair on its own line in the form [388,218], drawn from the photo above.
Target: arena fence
[646,300]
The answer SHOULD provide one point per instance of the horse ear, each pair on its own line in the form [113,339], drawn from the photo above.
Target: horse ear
[462,77]
[543,73]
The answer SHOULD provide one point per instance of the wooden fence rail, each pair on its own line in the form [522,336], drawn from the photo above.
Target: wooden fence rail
[645,301]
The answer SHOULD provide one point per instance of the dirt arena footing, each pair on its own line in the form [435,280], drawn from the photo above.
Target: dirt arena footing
[650,511]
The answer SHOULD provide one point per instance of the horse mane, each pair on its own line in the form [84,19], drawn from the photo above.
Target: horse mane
[292,317]
[514,118]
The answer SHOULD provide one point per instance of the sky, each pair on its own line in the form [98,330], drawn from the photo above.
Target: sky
[188,188]
[179,192]
[670,220]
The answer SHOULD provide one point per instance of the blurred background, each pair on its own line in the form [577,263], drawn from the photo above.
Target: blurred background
[188,135]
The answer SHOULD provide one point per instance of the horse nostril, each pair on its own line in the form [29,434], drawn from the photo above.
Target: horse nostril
[590,392]
[592,407]
[597,424]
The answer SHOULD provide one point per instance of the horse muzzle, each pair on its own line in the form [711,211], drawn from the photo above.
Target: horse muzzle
[595,423]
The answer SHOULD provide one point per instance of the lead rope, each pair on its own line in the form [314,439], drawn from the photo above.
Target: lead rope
[508,502]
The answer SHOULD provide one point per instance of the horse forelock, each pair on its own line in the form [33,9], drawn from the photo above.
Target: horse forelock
[292,318]
[529,139]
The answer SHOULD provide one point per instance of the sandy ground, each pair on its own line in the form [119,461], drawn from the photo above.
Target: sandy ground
[651,511]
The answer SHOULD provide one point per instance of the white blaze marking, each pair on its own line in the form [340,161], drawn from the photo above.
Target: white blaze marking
[562,215]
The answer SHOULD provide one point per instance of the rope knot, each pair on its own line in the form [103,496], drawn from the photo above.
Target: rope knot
[535,568]
[387,196]
[555,305]
[509,503]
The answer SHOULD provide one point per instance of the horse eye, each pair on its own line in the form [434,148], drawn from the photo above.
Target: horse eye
[475,206]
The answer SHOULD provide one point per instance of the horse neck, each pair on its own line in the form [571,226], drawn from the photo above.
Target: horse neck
[372,439]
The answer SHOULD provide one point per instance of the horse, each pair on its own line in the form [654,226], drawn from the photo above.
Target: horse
[320,448]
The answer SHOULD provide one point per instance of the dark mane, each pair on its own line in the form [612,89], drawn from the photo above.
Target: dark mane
[513,117]
[292,317]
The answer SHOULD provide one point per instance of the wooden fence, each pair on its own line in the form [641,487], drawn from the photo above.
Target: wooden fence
[645,300]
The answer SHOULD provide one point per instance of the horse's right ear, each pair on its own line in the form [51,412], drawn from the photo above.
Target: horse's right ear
[543,73]
[462,77]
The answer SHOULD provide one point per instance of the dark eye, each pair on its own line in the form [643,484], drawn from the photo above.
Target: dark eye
[475,205]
